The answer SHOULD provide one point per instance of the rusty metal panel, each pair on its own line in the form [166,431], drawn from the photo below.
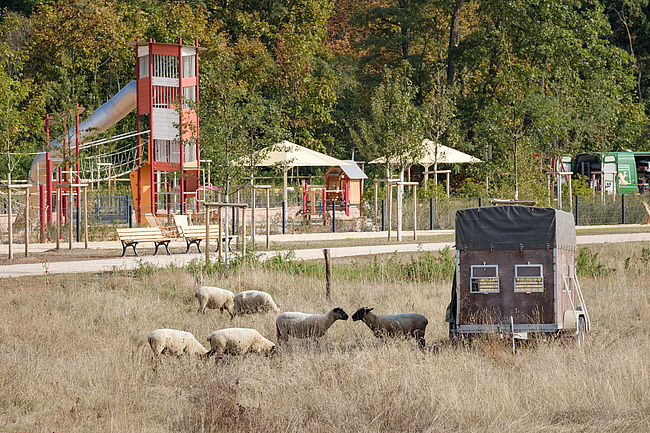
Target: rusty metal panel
[488,308]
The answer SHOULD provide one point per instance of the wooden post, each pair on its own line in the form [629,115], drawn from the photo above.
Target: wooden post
[243,231]
[570,196]
[415,212]
[220,249]
[375,202]
[389,203]
[58,219]
[26,222]
[69,215]
[85,192]
[253,216]
[400,205]
[268,221]
[10,225]
[328,273]
[207,234]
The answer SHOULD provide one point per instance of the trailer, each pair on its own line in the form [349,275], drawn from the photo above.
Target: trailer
[617,172]
[516,275]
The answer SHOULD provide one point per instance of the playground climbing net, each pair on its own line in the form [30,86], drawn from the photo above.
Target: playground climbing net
[112,164]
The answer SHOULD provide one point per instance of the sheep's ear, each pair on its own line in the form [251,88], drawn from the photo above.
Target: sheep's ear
[368,310]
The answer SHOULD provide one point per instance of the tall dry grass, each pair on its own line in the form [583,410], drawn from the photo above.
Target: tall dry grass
[73,358]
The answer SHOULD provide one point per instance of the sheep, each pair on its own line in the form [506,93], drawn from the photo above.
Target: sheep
[301,325]
[411,324]
[254,301]
[174,342]
[239,341]
[214,297]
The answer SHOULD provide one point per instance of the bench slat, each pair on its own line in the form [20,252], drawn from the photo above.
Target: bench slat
[130,237]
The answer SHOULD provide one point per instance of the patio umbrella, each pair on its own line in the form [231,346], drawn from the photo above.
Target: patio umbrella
[287,155]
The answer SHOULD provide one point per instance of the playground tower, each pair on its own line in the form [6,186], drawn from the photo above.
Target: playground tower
[167,77]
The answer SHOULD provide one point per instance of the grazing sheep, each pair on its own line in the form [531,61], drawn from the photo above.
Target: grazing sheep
[412,324]
[214,297]
[301,325]
[254,301]
[174,342]
[238,341]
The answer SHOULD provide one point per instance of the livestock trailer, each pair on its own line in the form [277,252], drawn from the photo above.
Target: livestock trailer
[515,274]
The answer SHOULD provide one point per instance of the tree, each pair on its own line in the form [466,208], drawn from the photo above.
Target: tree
[393,129]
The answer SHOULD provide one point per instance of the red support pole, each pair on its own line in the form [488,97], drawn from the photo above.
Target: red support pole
[48,171]
[152,159]
[138,198]
[41,193]
[325,204]
[77,150]
[180,123]
[347,197]
[196,103]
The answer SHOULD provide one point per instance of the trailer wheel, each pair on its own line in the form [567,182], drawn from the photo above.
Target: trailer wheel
[581,332]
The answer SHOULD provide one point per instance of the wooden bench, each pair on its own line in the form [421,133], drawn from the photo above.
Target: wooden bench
[130,237]
[154,222]
[195,234]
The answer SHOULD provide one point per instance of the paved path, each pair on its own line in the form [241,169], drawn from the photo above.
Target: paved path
[130,262]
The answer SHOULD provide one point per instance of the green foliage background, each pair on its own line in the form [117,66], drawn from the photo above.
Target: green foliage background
[532,79]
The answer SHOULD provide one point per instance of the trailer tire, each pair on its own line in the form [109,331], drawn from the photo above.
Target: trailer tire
[581,331]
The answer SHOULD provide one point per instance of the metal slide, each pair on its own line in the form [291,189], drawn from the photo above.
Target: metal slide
[104,117]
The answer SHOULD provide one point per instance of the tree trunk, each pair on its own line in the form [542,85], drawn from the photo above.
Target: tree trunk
[453,42]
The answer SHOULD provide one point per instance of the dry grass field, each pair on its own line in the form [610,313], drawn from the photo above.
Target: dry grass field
[73,357]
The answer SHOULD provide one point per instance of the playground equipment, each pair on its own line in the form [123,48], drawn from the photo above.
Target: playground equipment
[44,164]
[167,76]
[167,89]
[343,186]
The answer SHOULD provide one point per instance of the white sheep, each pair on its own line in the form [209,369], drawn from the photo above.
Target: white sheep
[239,341]
[411,324]
[301,325]
[254,301]
[214,297]
[175,342]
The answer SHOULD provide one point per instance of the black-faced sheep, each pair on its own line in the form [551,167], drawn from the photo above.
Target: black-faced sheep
[214,297]
[238,341]
[175,342]
[301,325]
[254,301]
[412,324]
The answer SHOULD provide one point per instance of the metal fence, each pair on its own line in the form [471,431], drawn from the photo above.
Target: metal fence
[111,209]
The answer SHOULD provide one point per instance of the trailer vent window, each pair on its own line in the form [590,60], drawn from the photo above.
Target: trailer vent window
[529,278]
[485,279]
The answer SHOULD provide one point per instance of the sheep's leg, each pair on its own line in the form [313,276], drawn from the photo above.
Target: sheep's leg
[419,335]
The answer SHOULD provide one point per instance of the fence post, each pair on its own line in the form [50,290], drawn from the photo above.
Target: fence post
[480,202]
[383,216]
[328,272]
[577,209]
[284,217]
[333,216]
[430,214]
[41,193]
[622,208]
[130,216]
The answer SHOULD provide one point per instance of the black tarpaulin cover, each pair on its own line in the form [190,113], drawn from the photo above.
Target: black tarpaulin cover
[513,228]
